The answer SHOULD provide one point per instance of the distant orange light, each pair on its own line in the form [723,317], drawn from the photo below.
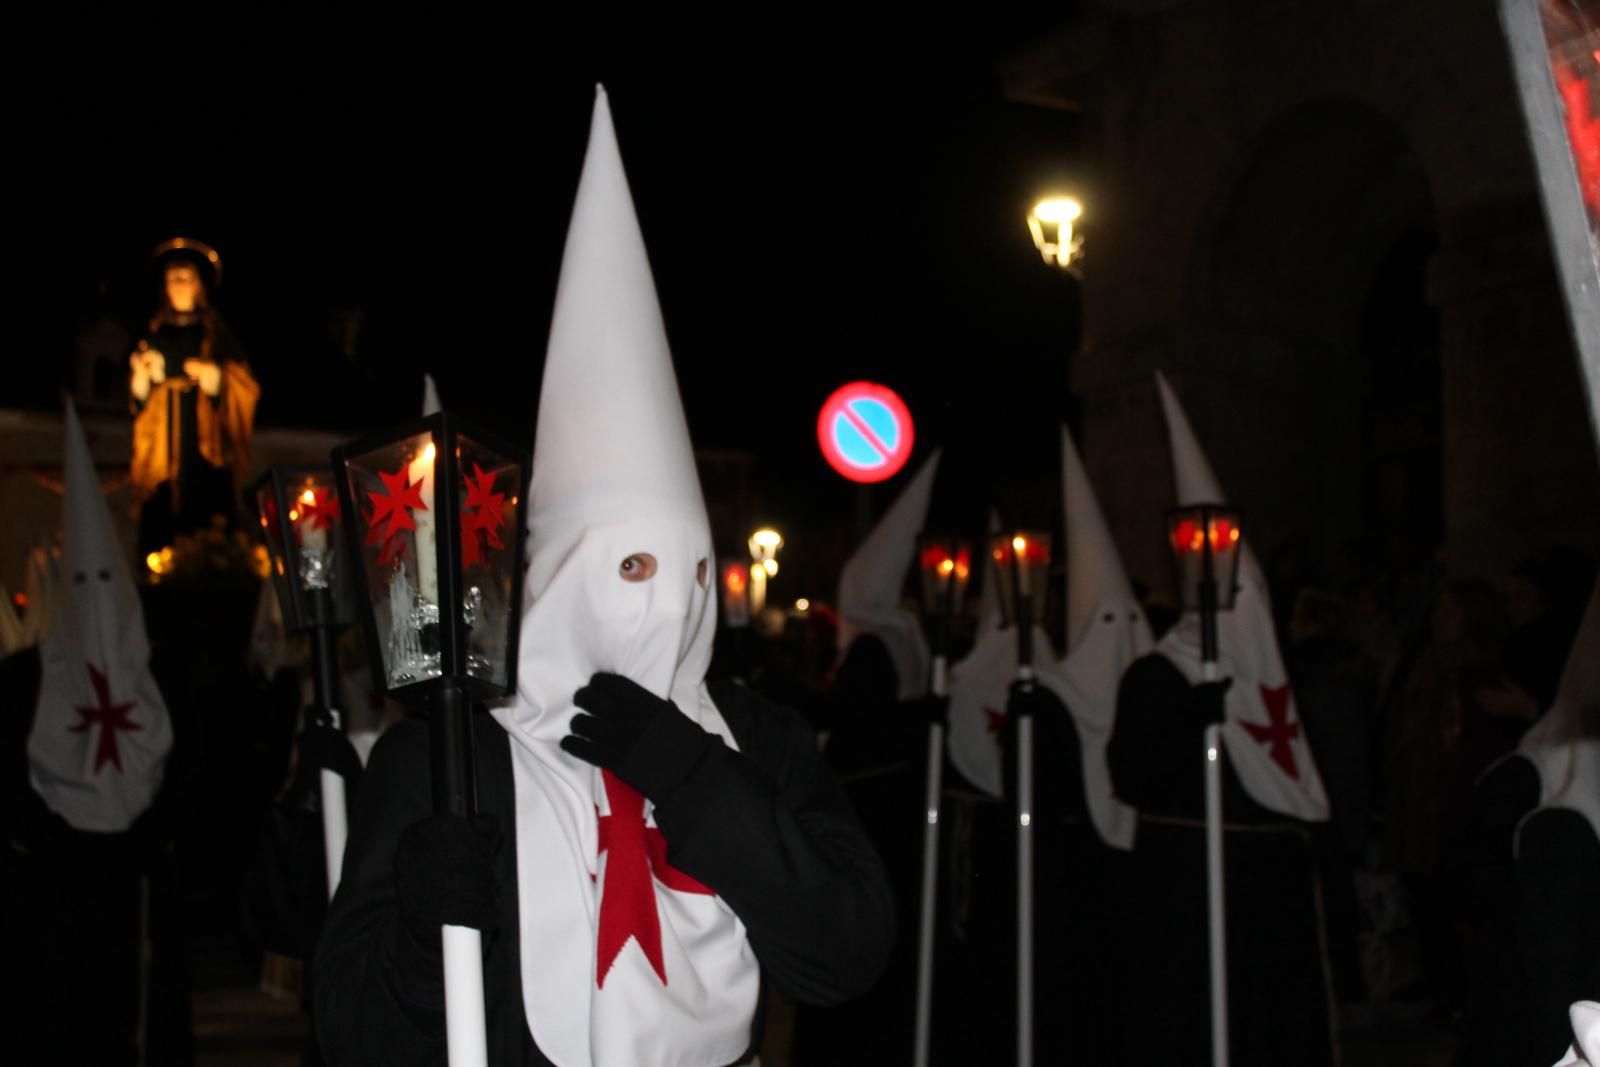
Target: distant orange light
[20,599]
[734,579]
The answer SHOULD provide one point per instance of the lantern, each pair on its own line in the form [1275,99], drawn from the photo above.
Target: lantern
[1021,564]
[945,564]
[301,522]
[735,579]
[434,522]
[1206,540]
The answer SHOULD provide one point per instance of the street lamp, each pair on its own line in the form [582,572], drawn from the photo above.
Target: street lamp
[1021,564]
[1051,224]
[1206,546]
[436,511]
[764,545]
[945,564]
[301,522]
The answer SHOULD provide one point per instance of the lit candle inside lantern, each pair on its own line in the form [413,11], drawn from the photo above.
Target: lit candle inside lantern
[313,538]
[1019,548]
[421,470]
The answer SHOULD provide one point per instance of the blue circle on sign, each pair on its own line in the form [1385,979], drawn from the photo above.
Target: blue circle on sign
[865,432]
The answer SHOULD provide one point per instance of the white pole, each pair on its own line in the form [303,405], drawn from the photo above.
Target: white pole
[335,825]
[1025,881]
[466,1035]
[1217,920]
[335,821]
[930,872]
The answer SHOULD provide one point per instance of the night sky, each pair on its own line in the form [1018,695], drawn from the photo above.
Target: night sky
[818,205]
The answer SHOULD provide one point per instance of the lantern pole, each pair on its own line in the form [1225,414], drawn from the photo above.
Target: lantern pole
[1024,718]
[1215,901]
[335,819]
[455,787]
[938,688]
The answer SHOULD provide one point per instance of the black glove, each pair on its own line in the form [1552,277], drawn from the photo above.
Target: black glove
[322,745]
[642,739]
[933,710]
[1026,698]
[444,873]
[1209,700]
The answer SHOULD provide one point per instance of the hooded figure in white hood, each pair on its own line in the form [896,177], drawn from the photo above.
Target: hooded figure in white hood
[662,845]
[871,584]
[1271,790]
[1106,631]
[1265,742]
[100,737]
[84,823]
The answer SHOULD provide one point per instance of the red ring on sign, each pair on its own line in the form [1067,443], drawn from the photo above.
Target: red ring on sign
[873,457]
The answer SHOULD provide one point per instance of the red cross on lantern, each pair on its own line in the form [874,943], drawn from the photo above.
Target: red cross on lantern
[636,859]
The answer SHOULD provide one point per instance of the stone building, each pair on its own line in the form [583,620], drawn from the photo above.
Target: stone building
[1321,221]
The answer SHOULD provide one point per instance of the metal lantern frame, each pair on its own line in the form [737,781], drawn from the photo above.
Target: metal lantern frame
[1207,543]
[1022,566]
[446,432]
[944,562]
[276,498]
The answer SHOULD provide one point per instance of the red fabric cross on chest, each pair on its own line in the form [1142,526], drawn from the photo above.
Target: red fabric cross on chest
[636,859]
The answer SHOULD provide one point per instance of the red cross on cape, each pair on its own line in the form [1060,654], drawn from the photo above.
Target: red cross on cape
[1277,731]
[107,715]
[636,858]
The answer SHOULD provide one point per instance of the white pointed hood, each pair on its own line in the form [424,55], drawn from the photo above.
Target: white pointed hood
[101,733]
[980,685]
[1264,736]
[1562,746]
[430,396]
[1585,1016]
[613,476]
[874,576]
[1106,632]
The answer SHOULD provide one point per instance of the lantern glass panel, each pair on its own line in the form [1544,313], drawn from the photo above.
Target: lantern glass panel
[735,579]
[1020,562]
[488,500]
[1188,530]
[299,515]
[946,568]
[393,486]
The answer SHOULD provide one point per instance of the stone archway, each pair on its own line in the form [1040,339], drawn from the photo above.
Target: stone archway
[1311,360]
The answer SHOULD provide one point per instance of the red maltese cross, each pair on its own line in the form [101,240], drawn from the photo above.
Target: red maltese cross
[109,717]
[1277,731]
[637,860]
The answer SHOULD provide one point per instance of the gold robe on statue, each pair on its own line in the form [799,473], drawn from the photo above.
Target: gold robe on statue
[224,429]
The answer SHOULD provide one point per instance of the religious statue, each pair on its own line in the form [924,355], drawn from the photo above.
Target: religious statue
[193,401]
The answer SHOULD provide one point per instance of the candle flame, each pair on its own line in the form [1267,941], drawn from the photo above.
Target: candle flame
[309,496]
[1019,544]
[429,452]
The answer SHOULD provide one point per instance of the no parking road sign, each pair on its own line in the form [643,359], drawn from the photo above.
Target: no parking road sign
[865,432]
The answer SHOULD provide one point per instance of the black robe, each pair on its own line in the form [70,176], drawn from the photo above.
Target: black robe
[70,907]
[1558,924]
[765,827]
[1277,967]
